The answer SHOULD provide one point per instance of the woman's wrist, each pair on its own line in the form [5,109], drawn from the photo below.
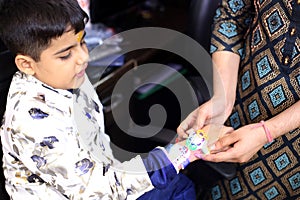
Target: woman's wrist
[267,132]
[226,104]
[268,135]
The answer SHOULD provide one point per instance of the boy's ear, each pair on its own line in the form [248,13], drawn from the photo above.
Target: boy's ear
[25,64]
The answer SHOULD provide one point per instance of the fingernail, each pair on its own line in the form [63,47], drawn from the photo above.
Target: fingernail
[212,147]
[198,155]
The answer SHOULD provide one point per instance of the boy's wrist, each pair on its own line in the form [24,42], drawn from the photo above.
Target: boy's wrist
[182,153]
[179,155]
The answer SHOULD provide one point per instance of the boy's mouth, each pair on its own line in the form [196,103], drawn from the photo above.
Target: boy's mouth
[82,72]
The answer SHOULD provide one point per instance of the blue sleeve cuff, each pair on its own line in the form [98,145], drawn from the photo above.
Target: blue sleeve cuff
[160,169]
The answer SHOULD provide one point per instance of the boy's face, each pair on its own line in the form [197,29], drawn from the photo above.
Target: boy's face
[62,65]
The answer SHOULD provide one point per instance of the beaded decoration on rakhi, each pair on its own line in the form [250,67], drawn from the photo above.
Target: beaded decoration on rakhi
[198,140]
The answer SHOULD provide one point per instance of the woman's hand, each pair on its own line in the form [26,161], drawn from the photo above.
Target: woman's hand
[218,108]
[211,112]
[238,146]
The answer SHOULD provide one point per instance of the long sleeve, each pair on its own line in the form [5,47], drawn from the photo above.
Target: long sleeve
[160,169]
[48,152]
[230,25]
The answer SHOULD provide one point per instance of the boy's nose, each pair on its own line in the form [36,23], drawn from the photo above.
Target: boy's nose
[83,55]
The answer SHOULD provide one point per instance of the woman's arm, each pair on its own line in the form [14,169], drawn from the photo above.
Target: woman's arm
[218,108]
[230,25]
[225,71]
[285,121]
[242,144]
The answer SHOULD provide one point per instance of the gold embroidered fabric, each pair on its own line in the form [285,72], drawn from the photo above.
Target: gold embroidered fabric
[266,34]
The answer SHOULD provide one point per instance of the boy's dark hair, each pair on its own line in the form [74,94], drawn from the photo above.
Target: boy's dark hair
[28,26]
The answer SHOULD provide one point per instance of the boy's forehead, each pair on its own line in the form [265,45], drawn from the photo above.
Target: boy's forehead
[80,36]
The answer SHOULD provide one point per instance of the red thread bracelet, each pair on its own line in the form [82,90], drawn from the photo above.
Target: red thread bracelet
[267,131]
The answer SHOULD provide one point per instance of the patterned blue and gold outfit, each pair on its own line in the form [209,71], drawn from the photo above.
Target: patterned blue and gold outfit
[266,34]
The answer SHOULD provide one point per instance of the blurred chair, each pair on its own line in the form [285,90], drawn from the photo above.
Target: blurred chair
[201,14]
[7,68]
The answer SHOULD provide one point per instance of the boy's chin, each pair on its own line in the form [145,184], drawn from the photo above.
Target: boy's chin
[78,83]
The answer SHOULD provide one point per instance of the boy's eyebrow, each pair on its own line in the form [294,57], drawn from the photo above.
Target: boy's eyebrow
[66,49]
[81,36]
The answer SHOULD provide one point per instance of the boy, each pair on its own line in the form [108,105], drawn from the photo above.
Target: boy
[53,137]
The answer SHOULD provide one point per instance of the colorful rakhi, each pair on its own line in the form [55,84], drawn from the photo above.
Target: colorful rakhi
[198,140]
[180,155]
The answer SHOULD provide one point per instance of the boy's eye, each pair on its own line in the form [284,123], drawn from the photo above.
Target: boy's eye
[66,56]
